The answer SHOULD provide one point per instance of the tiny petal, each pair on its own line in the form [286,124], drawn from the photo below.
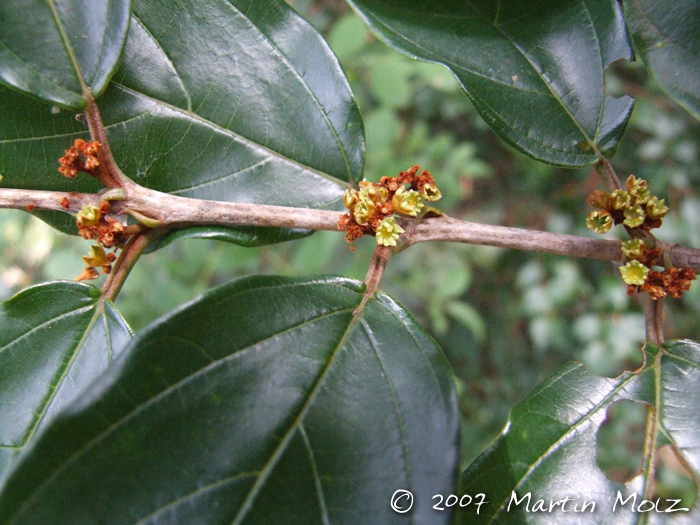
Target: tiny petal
[87,274]
[600,221]
[634,216]
[634,273]
[388,232]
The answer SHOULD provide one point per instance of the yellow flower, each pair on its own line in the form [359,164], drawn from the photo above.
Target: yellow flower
[431,193]
[620,199]
[634,216]
[637,188]
[350,198]
[89,215]
[98,257]
[406,202]
[633,249]
[374,192]
[634,273]
[656,209]
[600,221]
[363,211]
[388,232]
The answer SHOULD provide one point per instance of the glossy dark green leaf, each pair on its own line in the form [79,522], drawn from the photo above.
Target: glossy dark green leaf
[55,50]
[265,401]
[534,70]
[229,100]
[548,447]
[667,38]
[54,340]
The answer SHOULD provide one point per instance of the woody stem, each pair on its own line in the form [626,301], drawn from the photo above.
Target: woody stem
[125,262]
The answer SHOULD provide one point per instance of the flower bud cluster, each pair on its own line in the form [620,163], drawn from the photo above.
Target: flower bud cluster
[372,208]
[93,223]
[637,209]
[634,207]
[640,277]
[71,163]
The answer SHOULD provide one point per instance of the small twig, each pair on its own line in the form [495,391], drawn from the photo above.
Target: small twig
[127,259]
[608,175]
[380,258]
[653,320]
[453,230]
[108,172]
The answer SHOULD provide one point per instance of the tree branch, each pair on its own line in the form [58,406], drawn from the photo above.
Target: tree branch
[173,211]
[28,200]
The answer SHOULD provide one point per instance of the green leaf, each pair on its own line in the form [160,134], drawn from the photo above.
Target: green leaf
[667,39]
[54,340]
[534,70]
[225,100]
[548,446]
[56,50]
[264,401]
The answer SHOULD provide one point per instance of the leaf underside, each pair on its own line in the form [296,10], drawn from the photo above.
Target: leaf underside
[264,401]
[54,340]
[534,70]
[548,447]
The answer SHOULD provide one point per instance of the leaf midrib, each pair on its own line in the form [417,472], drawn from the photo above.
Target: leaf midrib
[68,47]
[289,434]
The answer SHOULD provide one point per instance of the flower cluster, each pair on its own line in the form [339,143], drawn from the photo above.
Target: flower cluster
[637,209]
[373,206]
[639,276]
[634,207]
[93,223]
[72,163]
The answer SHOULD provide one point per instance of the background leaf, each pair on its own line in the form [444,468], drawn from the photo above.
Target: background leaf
[54,340]
[234,101]
[265,401]
[534,70]
[548,447]
[55,50]
[667,39]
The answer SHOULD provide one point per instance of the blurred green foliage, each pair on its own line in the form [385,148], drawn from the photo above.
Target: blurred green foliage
[505,319]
